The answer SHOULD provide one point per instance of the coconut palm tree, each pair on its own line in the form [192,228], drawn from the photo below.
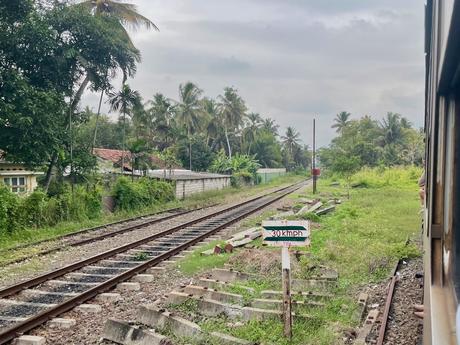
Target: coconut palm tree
[124,101]
[190,111]
[213,119]
[254,122]
[233,109]
[127,15]
[391,129]
[160,120]
[341,121]
[291,139]
[270,126]
[405,123]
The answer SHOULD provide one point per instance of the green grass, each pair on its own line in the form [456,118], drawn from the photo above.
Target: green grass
[362,239]
[366,235]
[195,262]
[271,331]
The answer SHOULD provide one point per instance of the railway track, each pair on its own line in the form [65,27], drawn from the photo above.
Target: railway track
[89,230]
[30,303]
[388,302]
[99,233]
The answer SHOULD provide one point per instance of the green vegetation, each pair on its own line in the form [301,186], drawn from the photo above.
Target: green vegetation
[40,210]
[369,143]
[142,256]
[39,216]
[142,193]
[365,236]
[243,168]
[362,240]
[50,53]
[10,203]
[70,47]
[196,262]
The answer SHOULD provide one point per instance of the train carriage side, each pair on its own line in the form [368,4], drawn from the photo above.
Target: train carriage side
[441,237]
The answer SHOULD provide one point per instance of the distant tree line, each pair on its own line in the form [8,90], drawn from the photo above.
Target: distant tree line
[51,51]
[366,142]
[195,129]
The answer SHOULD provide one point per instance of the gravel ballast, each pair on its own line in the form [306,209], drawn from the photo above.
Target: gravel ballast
[88,329]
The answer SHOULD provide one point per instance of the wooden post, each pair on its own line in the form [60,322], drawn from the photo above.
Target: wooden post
[287,313]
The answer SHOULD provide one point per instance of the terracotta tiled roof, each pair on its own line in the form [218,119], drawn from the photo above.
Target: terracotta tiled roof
[115,157]
[111,155]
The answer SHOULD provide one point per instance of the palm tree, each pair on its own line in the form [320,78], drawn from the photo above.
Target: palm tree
[160,119]
[391,129]
[233,109]
[254,122]
[214,120]
[124,101]
[270,126]
[405,123]
[341,121]
[291,139]
[189,111]
[126,15]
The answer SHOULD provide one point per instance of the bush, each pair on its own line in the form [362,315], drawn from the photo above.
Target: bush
[33,209]
[93,202]
[39,210]
[243,168]
[145,192]
[9,203]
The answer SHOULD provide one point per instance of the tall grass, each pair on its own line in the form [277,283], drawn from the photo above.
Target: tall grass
[385,177]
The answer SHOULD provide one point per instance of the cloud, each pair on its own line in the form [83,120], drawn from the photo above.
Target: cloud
[291,60]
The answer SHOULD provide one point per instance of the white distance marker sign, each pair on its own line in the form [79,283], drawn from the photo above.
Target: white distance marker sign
[286,233]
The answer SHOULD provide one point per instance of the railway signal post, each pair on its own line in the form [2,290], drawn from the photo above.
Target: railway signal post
[286,234]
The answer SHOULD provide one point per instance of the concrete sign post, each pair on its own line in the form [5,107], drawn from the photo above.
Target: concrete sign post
[286,280]
[285,234]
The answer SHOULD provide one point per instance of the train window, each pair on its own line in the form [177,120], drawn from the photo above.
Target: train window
[448,182]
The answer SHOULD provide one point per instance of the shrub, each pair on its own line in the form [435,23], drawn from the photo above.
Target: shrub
[243,168]
[145,192]
[38,210]
[93,202]
[33,209]
[9,217]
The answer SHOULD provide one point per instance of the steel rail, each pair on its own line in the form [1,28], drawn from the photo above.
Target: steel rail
[104,236]
[388,302]
[83,231]
[8,291]
[67,305]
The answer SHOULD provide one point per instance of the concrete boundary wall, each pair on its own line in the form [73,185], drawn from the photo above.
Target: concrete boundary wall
[267,174]
[186,187]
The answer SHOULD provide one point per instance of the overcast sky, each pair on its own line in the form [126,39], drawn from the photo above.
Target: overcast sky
[291,60]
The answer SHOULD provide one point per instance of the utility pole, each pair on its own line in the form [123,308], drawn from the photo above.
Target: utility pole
[72,178]
[313,163]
